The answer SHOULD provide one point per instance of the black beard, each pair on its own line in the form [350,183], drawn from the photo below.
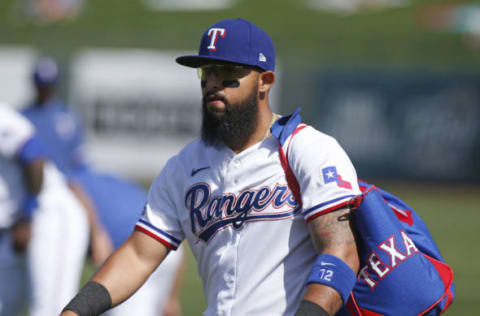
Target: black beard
[234,127]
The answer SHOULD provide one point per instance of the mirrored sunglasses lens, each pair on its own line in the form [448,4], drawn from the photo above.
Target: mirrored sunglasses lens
[222,71]
[201,74]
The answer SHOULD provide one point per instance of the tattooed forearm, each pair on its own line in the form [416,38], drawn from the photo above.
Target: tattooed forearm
[333,232]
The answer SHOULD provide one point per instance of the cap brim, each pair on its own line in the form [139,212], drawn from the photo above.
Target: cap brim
[196,61]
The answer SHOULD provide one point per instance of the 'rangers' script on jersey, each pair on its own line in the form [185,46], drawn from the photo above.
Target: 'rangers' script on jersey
[209,214]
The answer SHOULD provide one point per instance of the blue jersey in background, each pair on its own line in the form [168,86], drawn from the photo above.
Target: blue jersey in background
[61,133]
[119,202]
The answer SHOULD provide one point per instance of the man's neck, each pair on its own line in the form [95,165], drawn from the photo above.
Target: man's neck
[266,119]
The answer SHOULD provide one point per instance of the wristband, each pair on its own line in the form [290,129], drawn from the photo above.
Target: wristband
[29,205]
[93,299]
[308,308]
[335,273]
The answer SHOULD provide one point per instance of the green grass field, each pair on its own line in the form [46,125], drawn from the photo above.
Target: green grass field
[451,212]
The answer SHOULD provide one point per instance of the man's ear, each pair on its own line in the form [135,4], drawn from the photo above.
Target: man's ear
[265,81]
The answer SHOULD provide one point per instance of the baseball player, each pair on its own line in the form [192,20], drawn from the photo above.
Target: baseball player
[258,210]
[21,179]
[54,236]
[57,127]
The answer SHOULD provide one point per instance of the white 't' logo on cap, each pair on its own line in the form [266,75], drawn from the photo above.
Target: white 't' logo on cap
[213,33]
[262,58]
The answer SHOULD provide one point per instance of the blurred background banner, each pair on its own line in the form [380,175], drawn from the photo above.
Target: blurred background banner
[138,106]
[407,125]
[16,63]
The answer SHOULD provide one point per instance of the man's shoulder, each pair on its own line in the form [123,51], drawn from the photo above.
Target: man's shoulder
[310,136]
[193,148]
[187,155]
[296,136]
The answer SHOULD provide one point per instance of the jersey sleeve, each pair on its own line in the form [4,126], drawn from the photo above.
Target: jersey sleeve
[325,174]
[31,150]
[15,133]
[159,219]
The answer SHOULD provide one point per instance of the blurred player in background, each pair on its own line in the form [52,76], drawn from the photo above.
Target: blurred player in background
[61,134]
[114,203]
[43,228]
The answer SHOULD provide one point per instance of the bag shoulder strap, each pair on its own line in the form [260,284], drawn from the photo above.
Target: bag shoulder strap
[284,130]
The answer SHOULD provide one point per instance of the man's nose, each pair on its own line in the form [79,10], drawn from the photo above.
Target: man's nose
[213,82]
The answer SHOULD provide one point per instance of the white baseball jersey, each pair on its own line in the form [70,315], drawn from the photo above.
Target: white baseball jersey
[15,131]
[247,232]
[59,239]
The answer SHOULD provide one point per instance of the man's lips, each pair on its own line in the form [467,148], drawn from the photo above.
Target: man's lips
[214,100]
[210,97]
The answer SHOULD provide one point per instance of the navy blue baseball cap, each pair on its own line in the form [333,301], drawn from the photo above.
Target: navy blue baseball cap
[45,72]
[238,41]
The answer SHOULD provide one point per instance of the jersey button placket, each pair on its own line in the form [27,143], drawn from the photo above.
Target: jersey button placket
[231,274]
[236,166]
[232,172]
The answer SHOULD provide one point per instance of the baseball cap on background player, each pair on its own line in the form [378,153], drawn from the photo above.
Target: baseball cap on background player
[45,72]
[238,41]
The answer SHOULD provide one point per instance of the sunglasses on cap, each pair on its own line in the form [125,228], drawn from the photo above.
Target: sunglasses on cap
[229,74]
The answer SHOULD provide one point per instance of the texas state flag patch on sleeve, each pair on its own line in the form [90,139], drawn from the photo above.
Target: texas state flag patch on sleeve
[330,174]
